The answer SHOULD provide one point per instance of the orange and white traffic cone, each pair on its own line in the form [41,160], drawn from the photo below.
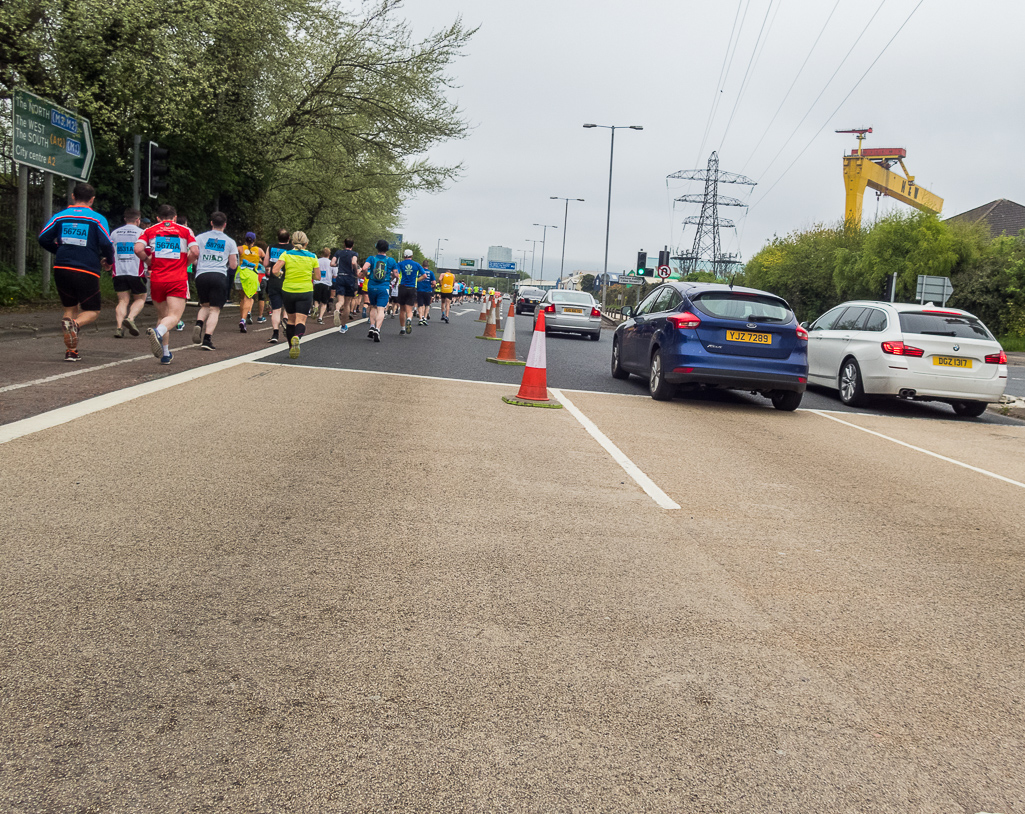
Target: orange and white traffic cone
[498,314]
[507,350]
[491,328]
[483,310]
[534,387]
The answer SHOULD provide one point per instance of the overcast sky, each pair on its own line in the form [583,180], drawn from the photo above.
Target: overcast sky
[948,89]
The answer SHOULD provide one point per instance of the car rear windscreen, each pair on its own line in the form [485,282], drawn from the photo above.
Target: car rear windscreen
[959,326]
[576,297]
[740,306]
[531,292]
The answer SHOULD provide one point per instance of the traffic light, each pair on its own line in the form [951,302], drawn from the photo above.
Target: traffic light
[156,169]
[663,257]
[642,261]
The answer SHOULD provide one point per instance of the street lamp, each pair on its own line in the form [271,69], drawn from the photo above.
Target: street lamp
[565,218]
[544,233]
[608,213]
[437,252]
[533,248]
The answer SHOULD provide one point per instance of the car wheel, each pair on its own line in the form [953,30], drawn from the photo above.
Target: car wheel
[596,336]
[659,388]
[971,409]
[786,400]
[852,392]
[618,371]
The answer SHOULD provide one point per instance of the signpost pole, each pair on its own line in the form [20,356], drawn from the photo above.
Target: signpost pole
[47,214]
[136,170]
[22,220]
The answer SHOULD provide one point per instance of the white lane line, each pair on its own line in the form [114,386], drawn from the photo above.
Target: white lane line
[81,370]
[985,472]
[506,385]
[62,415]
[646,483]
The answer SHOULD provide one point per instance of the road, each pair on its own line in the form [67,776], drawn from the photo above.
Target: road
[359,581]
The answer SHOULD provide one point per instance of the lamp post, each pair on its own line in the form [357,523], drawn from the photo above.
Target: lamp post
[545,227]
[565,219]
[437,252]
[533,248]
[608,213]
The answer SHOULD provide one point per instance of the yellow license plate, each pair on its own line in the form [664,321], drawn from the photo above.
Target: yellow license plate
[952,361]
[744,336]
[572,310]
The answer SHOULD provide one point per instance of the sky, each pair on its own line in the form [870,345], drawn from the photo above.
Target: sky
[745,78]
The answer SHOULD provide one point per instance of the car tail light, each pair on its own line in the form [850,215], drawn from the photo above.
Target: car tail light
[684,320]
[900,349]
[997,359]
[550,308]
[595,312]
[802,333]
[945,313]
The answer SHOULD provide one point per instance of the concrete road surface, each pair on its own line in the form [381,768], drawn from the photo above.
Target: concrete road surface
[281,587]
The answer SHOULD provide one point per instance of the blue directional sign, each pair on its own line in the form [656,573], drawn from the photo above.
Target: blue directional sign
[495,264]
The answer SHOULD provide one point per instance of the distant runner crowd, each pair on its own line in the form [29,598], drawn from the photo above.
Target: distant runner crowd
[158,261]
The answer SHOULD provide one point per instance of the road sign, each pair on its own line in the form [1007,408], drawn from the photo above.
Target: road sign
[664,272]
[465,263]
[630,279]
[933,289]
[51,138]
[495,264]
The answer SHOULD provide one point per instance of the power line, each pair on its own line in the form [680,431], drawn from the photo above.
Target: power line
[724,72]
[845,98]
[787,94]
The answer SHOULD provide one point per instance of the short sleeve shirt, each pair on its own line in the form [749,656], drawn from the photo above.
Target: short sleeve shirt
[426,284]
[215,248]
[410,270]
[126,261]
[381,268]
[299,266]
[168,243]
[327,275]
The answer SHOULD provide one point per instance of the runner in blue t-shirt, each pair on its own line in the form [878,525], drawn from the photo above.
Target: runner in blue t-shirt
[409,271]
[380,270]
[424,292]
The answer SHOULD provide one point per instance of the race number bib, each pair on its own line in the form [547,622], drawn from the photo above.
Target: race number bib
[168,248]
[74,234]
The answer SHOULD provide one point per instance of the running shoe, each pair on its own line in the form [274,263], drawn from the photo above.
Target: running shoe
[293,350]
[118,333]
[343,329]
[207,345]
[337,319]
[70,328]
[377,336]
[71,356]
[423,321]
[364,313]
[242,326]
[402,331]
[370,334]
[180,326]
[166,358]
[320,321]
[197,334]
[155,344]
[262,319]
[249,319]
[409,326]
[273,340]
[133,329]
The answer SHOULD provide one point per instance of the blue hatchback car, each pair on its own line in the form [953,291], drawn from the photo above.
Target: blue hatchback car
[711,335]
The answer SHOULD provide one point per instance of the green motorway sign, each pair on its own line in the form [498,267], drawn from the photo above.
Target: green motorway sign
[51,138]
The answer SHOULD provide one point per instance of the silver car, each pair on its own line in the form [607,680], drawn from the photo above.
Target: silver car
[574,311]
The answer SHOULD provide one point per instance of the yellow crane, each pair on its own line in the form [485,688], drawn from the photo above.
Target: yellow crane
[871,168]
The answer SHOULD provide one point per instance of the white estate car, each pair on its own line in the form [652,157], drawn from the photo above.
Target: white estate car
[920,352]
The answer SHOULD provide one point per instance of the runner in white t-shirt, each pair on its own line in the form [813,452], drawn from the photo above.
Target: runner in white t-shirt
[129,278]
[214,268]
[324,287]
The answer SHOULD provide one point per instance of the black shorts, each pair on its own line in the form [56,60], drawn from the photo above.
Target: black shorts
[81,288]
[322,293]
[394,299]
[297,303]
[345,285]
[212,289]
[423,298]
[129,282]
[407,295]
[445,296]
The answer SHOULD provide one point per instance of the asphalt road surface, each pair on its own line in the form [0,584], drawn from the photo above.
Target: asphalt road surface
[359,581]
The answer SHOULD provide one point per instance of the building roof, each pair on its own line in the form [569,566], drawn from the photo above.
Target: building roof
[1001,216]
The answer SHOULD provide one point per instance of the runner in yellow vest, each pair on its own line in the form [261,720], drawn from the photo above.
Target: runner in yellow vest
[446,283]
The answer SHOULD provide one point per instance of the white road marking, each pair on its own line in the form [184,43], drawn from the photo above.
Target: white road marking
[507,385]
[646,483]
[62,415]
[985,472]
[81,370]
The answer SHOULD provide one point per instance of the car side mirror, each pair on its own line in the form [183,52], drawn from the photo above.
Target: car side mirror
[627,311]
[804,325]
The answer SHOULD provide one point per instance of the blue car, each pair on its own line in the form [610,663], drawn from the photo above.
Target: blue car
[711,335]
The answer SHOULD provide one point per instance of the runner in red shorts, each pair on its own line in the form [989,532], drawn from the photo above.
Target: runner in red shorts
[166,249]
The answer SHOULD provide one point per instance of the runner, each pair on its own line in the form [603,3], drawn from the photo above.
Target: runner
[218,259]
[251,257]
[324,284]
[364,297]
[297,269]
[409,270]
[424,291]
[393,298]
[446,285]
[79,238]
[129,278]
[167,249]
[274,283]
[346,269]
[379,270]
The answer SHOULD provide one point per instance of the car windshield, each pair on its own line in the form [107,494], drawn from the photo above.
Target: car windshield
[575,297]
[742,306]
[943,323]
[531,292]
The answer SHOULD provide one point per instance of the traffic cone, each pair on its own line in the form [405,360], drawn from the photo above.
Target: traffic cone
[491,328]
[498,315]
[483,310]
[534,387]
[507,350]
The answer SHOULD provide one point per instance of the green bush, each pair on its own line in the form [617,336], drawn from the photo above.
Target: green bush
[15,290]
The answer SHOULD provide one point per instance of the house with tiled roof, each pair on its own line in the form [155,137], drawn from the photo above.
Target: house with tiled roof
[1003,217]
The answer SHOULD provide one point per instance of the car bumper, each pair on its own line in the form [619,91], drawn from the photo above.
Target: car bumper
[688,373]
[559,322]
[954,388]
